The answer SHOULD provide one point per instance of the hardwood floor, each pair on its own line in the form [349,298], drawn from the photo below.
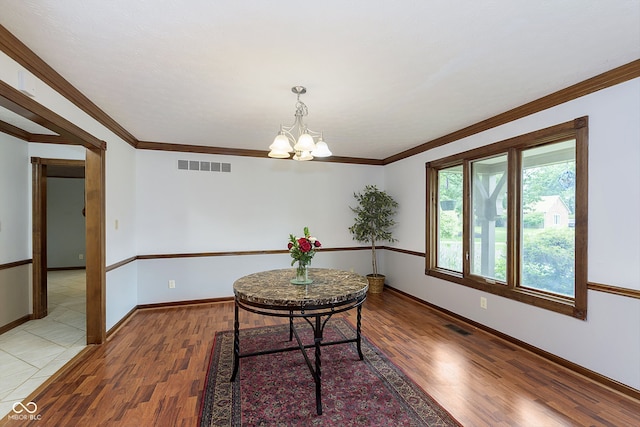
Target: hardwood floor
[151,371]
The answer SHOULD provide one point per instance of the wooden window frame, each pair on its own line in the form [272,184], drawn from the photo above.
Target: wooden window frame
[575,306]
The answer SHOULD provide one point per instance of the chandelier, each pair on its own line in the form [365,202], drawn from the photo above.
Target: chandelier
[299,135]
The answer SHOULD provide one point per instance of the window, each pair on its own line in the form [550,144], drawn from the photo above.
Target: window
[548,190]
[450,218]
[488,229]
[510,218]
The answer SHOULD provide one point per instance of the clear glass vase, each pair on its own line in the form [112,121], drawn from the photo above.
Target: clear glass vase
[302,275]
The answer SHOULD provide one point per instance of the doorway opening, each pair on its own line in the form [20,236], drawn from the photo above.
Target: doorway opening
[42,169]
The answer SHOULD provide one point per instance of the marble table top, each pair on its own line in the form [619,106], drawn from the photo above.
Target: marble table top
[274,289]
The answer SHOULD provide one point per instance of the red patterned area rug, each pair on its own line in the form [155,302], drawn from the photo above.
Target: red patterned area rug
[278,389]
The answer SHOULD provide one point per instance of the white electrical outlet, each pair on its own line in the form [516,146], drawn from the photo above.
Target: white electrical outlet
[483,302]
[172,284]
[81,256]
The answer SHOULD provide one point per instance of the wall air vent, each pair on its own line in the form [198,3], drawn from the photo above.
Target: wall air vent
[196,165]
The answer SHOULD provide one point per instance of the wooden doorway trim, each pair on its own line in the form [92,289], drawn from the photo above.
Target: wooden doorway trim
[39,237]
[41,170]
[95,245]
[93,172]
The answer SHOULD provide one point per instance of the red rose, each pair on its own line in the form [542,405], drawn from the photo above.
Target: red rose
[317,243]
[290,245]
[305,246]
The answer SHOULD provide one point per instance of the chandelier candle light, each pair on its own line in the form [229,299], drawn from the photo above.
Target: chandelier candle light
[302,250]
[299,135]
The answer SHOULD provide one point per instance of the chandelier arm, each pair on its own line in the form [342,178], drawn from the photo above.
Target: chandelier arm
[314,133]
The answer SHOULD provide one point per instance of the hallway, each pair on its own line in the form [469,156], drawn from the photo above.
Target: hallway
[35,350]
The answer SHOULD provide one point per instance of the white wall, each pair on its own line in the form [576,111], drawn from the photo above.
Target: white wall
[14,200]
[120,203]
[120,220]
[254,207]
[121,293]
[608,342]
[15,234]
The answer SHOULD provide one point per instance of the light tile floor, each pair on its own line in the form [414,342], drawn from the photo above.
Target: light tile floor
[35,350]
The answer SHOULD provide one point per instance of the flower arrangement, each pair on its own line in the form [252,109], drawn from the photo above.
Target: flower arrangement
[302,250]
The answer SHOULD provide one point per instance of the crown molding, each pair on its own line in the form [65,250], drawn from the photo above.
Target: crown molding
[205,149]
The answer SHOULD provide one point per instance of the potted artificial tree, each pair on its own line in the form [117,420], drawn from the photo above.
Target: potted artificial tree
[373,223]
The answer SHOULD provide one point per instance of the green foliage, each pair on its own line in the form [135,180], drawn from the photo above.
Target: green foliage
[533,220]
[548,262]
[500,271]
[374,218]
[450,225]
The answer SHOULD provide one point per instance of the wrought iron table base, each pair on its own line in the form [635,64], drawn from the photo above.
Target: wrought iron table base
[315,319]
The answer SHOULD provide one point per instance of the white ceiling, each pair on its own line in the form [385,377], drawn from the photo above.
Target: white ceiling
[382,76]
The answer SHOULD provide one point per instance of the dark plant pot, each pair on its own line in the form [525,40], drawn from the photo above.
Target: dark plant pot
[376,283]
[448,205]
